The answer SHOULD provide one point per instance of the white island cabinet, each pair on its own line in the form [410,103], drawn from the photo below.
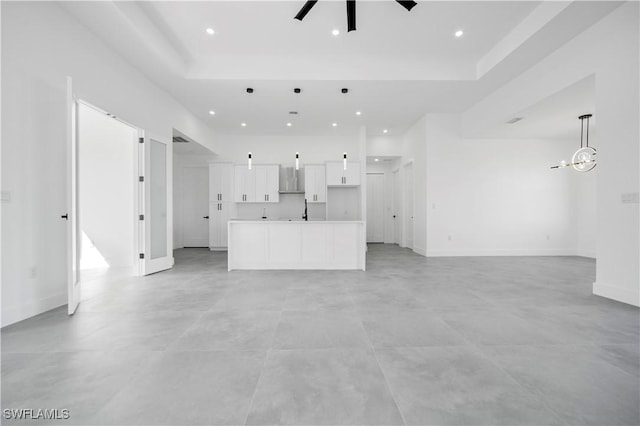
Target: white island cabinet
[296,245]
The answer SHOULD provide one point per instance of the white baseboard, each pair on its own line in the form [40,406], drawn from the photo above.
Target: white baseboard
[624,295]
[502,252]
[586,253]
[420,251]
[13,314]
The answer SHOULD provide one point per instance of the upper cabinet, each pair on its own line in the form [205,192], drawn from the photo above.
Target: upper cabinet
[267,183]
[338,176]
[244,185]
[258,185]
[315,184]
[220,177]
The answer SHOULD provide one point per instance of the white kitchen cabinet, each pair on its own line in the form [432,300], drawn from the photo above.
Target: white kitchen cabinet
[220,199]
[258,185]
[315,184]
[338,176]
[267,183]
[296,245]
[220,178]
[218,221]
[244,184]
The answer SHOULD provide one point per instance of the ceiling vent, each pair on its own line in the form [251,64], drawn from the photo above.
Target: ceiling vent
[514,120]
[179,139]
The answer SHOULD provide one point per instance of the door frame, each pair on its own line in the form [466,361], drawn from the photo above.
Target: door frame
[396,203]
[181,170]
[383,175]
[405,203]
[74,294]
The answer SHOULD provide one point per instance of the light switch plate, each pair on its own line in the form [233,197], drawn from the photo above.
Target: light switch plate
[630,198]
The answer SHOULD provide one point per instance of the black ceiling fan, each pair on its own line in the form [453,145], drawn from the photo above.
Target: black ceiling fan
[351,11]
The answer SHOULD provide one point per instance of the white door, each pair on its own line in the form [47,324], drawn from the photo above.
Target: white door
[156,200]
[375,207]
[408,205]
[396,207]
[73,234]
[195,206]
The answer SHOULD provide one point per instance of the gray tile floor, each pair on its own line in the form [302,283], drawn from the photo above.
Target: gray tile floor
[439,341]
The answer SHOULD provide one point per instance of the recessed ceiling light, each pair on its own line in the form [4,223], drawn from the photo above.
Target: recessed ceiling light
[376,160]
[289,124]
[212,112]
[358,112]
[334,124]
[335,32]
[210,31]
[385,131]
[243,124]
[459,33]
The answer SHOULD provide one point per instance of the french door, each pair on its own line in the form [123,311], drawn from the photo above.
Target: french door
[153,215]
[155,204]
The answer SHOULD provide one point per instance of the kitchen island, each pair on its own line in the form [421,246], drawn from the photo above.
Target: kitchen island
[284,244]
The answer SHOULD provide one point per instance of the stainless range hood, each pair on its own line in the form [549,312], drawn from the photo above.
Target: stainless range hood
[291,180]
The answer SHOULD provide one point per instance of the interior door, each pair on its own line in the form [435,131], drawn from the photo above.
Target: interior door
[396,207]
[71,216]
[195,206]
[375,207]
[156,252]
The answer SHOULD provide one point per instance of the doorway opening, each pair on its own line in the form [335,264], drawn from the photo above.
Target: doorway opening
[381,211]
[193,216]
[107,198]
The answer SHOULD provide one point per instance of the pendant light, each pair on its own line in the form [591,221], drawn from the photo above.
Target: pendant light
[249,161]
[344,160]
[584,159]
[297,161]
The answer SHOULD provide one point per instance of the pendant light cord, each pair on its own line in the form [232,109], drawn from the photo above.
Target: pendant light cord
[581,130]
[588,132]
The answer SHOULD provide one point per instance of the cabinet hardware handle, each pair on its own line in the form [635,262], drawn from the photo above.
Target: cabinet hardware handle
[65,216]
[205,217]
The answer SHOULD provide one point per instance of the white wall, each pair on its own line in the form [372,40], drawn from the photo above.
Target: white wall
[414,150]
[106,185]
[496,196]
[41,46]
[585,203]
[281,149]
[610,51]
[483,197]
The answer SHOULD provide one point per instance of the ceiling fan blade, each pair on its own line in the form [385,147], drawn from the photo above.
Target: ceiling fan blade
[407,4]
[351,15]
[305,9]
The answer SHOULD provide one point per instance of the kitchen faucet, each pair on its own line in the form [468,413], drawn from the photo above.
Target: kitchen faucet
[305,216]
